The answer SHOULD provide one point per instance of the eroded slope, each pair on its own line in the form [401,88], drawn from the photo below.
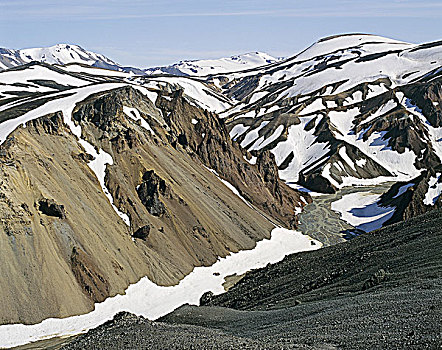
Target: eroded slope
[116,187]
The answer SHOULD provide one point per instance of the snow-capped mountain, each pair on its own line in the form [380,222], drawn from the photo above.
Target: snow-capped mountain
[216,66]
[343,110]
[61,54]
[349,110]
[64,54]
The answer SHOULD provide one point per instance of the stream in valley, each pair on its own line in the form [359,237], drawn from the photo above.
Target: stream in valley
[320,222]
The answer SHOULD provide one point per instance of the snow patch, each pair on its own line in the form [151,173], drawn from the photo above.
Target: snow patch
[361,162]
[403,189]
[343,153]
[434,190]
[362,211]
[261,142]
[253,134]
[252,160]
[305,150]
[134,114]
[387,107]
[317,105]
[98,166]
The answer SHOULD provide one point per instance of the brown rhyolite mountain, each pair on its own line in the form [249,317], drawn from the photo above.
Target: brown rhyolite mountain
[64,245]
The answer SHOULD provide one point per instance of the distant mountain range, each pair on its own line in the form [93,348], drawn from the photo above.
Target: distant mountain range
[64,54]
[216,66]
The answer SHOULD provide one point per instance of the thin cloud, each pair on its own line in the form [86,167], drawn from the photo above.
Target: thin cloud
[80,14]
[352,13]
[342,9]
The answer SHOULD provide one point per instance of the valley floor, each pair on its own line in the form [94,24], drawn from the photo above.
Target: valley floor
[320,222]
[326,293]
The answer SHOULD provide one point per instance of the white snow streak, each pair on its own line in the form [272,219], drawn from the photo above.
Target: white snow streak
[134,114]
[434,190]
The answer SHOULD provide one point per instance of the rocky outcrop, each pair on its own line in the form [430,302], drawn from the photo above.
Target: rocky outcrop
[317,183]
[427,94]
[150,190]
[411,201]
[51,124]
[50,208]
[142,232]
[377,278]
[89,276]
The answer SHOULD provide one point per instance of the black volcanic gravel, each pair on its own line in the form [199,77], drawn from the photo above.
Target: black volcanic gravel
[381,290]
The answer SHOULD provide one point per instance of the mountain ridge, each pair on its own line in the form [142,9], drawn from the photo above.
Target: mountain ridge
[206,67]
[65,54]
[57,54]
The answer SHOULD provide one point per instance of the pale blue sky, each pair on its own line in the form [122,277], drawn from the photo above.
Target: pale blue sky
[145,33]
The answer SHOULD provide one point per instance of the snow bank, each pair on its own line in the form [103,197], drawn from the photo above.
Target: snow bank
[362,211]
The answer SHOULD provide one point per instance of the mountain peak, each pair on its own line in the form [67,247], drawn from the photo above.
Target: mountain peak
[63,54]
[205,67]
[369,43]
[57,54]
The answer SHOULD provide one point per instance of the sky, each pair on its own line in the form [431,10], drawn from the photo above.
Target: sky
[146,33]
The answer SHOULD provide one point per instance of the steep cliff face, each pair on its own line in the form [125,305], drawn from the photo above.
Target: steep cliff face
[422,134]
[50,261]
[82,218]
[207,136]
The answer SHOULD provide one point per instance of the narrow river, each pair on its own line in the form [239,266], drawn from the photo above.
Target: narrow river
[320,222]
